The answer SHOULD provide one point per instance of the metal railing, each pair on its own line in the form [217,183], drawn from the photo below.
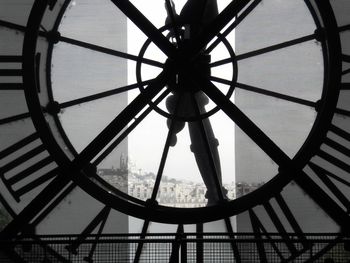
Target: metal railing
[193,247]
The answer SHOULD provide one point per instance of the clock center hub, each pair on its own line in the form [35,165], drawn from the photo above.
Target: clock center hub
[185,80]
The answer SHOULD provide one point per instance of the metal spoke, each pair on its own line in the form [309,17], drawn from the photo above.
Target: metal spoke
[234,24]
[44,198]
[346,58]
[103,94]
[12,26]
[233,244]
[121,121]
[14,118]
[129,129]
[266,92]
[144,231]
[89,46]
[165,153]
[345,72]
[344,28]
[214,28]
[108,51]
[146,26]
[265,50]
[247,126]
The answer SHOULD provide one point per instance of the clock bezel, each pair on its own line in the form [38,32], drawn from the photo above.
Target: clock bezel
[159,213]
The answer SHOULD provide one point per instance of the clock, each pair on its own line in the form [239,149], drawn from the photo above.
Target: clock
[198,119]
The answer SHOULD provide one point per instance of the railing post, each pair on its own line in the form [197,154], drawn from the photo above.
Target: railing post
[183,245]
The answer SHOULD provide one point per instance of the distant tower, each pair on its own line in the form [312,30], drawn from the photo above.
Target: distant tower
[123,163]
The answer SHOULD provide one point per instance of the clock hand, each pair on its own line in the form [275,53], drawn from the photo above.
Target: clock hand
[172,19]
[146,26]
[247,126]
[211,30]
[121,120]
[196,14]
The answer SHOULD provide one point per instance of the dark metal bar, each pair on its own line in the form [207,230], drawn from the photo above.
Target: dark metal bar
[265,50]
[291,219]
[174,257]
[103,94]
[8,208]
[10,72]
[18,145]
[324,176]
[140,245]
[256,226]
[343,28]
[279,226]
[23,158]
[110,51]
[172,19]
[324,200]
[12,25]
[14,118]
[120,122]
[333,160]
[214,28]
[345,72]
[346,58]
[99,232]
[342,112]
[54,203]
[199,245]
[11,59]
[277,46]
[100,218]
[234,24]
[20,222]
[38,181]
[337,146]
[340,132]
[241,120]
[146,26]
[276,154]
[203,137]
[129,129]
[165,152]
[267,92]
[30,170]
[233,243]
[11,86]
[345,86]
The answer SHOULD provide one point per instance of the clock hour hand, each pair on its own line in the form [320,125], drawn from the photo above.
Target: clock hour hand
[204,146]
[191,101]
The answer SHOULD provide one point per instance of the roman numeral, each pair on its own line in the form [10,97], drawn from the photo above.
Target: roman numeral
[11,73]
[25,166]
[261,232]
[346,59]
[52,4]
[332,167]
[98,222]
[345,86]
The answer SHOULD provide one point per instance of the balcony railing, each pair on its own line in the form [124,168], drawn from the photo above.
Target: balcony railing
[193,247]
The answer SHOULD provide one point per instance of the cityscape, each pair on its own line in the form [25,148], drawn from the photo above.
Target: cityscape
[172,192]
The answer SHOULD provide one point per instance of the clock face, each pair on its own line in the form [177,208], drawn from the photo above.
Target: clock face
[178,112]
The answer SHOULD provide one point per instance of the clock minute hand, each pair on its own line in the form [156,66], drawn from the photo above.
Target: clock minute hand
[195,15]
[214,27]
